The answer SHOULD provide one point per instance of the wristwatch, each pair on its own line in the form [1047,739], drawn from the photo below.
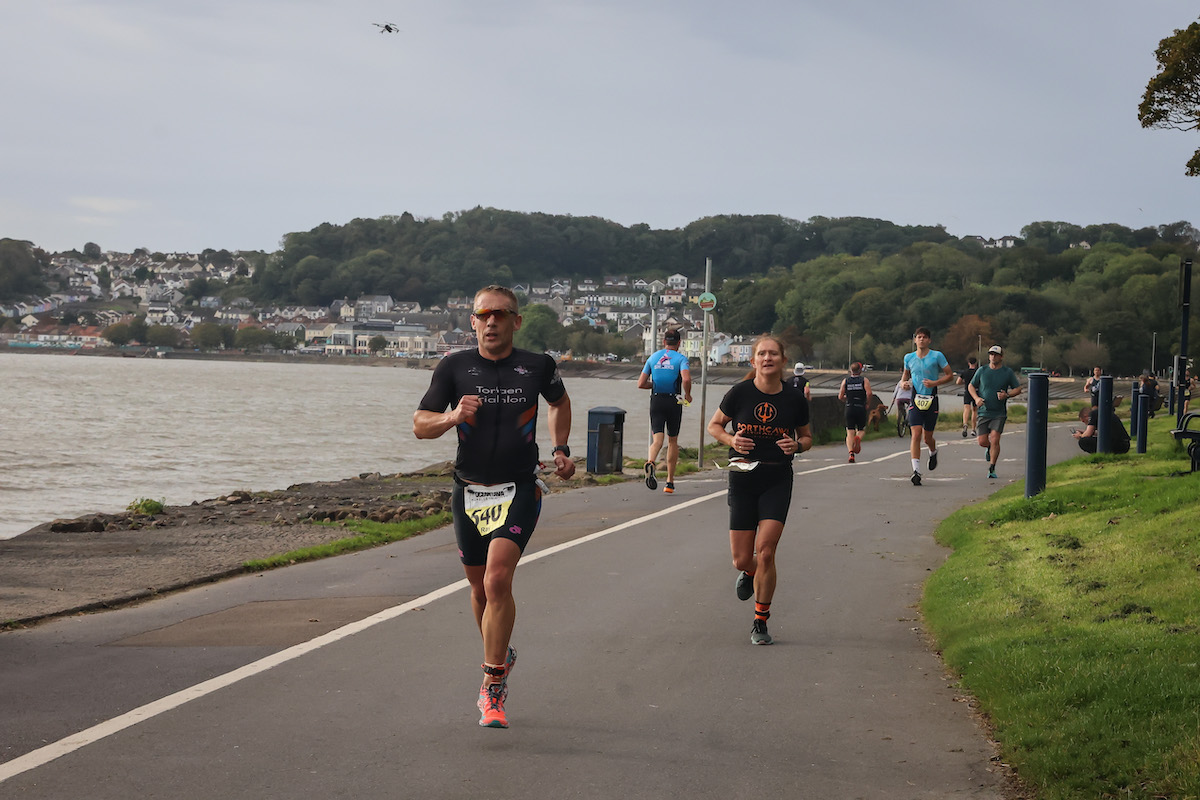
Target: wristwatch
[561,448]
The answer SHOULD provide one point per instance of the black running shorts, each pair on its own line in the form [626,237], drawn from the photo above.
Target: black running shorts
[666,413]
[764,492]
[518,525]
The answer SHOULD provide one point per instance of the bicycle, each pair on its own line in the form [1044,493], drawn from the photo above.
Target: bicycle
[902,428]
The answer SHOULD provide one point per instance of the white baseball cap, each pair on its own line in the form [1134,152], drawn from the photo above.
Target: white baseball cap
[800,368]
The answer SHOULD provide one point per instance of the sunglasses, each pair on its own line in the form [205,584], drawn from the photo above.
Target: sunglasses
[500,314]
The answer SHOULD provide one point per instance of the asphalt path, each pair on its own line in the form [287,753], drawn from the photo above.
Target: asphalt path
[357,676]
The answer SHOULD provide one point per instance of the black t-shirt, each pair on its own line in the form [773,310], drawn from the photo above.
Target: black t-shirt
[1116,428]
[499,444]
[966,375]
[764,418]
[797,382]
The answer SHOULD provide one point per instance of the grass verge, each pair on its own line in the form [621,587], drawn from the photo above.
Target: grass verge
[1074,617]
[369,534]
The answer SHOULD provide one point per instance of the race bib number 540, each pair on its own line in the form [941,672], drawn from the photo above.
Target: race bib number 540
[488,506]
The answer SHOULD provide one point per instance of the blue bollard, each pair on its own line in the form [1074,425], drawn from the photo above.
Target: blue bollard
[1035,433]
[1103,415]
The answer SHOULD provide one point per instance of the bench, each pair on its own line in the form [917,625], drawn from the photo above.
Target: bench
[1185,431]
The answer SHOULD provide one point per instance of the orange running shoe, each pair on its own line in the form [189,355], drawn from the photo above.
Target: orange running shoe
[508,668]
[669,488]
[852,458]
[493,715]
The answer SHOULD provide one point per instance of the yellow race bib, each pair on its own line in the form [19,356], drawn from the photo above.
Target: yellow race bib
[488,506]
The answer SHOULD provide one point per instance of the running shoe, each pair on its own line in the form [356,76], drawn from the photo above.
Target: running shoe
[669,488]
[992,473]
[744,586]
[758,634]
[651,481]
[964,431]
[493,715]
[916,478]
[509,661]
[858,444]
[973,432]
[852,458]
[933,461]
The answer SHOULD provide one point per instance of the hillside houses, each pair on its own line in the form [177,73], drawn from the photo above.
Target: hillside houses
[165,292]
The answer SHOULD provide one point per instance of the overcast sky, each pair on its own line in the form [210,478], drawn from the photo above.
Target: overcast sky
[186,124]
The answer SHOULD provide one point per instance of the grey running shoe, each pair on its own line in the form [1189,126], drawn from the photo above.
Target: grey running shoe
[916,478]
[744,586]
[759,635]
[964,431]
[933,461]
[651,481]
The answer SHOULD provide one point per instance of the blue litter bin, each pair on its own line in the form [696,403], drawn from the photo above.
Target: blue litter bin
[606,427]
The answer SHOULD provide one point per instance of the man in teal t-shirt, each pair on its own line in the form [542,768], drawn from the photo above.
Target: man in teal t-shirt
[991,388]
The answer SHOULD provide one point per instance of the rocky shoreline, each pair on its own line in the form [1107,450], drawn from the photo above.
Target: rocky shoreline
[102,561]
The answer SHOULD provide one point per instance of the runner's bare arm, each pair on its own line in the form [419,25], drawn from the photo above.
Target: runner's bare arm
[432,424]
[559,419]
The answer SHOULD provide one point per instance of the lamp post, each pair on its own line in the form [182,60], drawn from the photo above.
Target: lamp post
[850,351]
[1097,340]
[1042,353]
[1153,346]
[979,348]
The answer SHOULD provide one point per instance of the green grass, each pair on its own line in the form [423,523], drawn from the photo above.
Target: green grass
[369,534]
[146,507]
[1074,618]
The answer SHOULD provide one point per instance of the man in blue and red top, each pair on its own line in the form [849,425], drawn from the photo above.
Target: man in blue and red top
[492,396]
[669,380]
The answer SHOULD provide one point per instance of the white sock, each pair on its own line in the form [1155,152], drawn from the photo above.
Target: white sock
[916,465]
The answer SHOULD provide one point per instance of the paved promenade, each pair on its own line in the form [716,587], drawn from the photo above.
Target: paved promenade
[356,676]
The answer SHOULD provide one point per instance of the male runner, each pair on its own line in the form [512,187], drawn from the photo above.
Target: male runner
[855,392]
[492,393]
[970,417]
[799,381]
[924,371]
[991,388]
[667,376]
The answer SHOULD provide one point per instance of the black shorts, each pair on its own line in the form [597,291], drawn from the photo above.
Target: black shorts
[665,413]
[927,419]
[968,400]
[764,492]
[518,526]
[856,418]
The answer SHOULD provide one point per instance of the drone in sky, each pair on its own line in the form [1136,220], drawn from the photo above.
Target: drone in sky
[387,27]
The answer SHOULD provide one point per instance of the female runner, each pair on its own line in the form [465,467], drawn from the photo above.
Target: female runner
[770,426]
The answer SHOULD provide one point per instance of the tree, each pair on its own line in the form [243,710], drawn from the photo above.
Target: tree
[162,336]
[118,334]
[377,344]
[211,336]
[540,330]
[92,251]
[254,339]
[1172,98]
[105,278]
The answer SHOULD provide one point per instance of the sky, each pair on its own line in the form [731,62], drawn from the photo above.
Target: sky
[226,124]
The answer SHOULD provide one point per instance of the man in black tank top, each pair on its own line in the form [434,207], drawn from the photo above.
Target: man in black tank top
[855,392]
[492,394]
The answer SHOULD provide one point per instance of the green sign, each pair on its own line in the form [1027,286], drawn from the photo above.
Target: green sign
[708,301]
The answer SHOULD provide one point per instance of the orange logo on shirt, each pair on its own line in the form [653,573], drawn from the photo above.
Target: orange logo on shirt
[764,412]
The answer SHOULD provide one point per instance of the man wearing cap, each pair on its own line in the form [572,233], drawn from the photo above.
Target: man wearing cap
[798,381]
[667,376]
[991,389]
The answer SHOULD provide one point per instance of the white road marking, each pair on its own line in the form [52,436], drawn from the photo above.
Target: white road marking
[69,744]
